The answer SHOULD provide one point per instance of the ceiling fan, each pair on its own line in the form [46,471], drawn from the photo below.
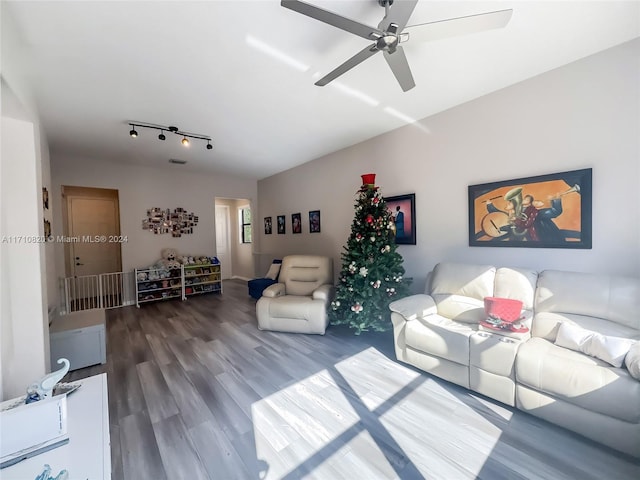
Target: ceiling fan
[392,31]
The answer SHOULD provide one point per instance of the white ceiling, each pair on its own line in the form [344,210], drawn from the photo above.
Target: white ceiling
[199,66]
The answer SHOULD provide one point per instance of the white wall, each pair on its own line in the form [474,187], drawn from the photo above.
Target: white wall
[28,279]
[23,323]
[141,188]
[583,115]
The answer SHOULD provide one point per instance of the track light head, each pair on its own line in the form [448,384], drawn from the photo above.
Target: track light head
[209,146]
[185,141]
[161,136]
[133,132]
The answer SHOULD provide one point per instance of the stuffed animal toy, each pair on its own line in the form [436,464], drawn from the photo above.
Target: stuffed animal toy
[168,255]
[167,262]
[142,276]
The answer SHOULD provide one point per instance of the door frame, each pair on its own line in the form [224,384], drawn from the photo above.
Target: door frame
[227,210]
[70,192]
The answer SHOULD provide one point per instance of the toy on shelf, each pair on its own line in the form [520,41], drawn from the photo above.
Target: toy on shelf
[174,276]
[169,258]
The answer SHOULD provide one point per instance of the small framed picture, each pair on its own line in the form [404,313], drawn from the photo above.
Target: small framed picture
[314,221]
[267,226]
[282,225]
[45,198]
[296,223]
[403,212]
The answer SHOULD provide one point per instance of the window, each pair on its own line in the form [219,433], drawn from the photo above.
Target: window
[245,225]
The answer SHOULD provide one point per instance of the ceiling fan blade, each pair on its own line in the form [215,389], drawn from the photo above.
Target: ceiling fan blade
[358,58]
[458,26]
[400,68]
[343,23]
[399,14]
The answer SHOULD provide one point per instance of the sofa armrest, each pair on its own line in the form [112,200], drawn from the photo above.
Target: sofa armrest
[414,306]
[275,290]
[324,292]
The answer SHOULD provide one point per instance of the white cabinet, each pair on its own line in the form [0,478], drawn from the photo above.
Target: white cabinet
[79,337]
[88,453]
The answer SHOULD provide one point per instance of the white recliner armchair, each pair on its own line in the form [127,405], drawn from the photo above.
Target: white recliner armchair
[298,303]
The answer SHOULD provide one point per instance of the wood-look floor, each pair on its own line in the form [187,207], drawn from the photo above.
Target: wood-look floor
[197,391]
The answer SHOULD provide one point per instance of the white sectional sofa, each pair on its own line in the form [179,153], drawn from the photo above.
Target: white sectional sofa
[562,369]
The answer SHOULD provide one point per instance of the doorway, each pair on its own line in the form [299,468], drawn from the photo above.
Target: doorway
[91,219]
[234,238]
[223,241]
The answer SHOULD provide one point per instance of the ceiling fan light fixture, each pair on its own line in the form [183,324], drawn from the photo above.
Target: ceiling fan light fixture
[391,31]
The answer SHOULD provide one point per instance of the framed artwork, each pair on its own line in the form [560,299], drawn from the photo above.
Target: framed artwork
[403,211]
[45,198]
[314,221]
[546,211]
[47,229]
[281,224]
[267,226]
[296,223]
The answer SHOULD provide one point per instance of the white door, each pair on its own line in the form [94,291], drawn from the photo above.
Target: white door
[94,224]
[223,241]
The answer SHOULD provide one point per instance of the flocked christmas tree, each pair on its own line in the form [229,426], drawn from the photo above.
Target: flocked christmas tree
[372,272]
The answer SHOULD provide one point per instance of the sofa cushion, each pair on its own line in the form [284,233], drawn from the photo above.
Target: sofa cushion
[546,325]
[475,281]
[578,379]
[302,274]
[292,306]
[460,308]
[516,283]
[441,337]
[612,350]
[612,298]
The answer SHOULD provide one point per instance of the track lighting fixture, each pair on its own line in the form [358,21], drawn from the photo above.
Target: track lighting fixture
[185,135]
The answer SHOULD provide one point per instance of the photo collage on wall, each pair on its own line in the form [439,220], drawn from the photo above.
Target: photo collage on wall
[178,223]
